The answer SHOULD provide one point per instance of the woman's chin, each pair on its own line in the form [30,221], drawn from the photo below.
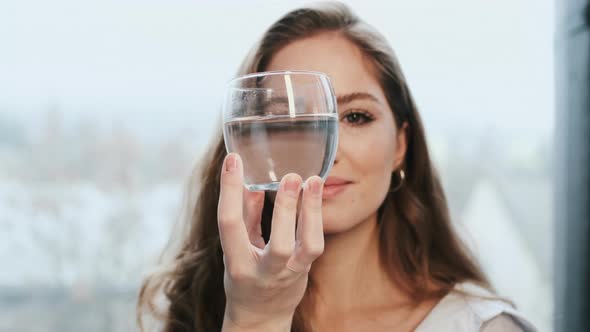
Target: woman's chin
[335,225]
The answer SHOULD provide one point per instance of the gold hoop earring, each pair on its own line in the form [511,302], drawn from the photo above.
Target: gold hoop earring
[402,176]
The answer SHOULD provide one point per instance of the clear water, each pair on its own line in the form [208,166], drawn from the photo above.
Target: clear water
[273,146]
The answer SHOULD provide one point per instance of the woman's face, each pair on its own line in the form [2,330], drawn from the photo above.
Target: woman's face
[370,147]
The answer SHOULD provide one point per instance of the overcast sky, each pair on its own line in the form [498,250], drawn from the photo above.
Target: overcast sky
[478,63]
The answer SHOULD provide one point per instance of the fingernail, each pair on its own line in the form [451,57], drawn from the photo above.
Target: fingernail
[292,184]
[231,163]
[316,185]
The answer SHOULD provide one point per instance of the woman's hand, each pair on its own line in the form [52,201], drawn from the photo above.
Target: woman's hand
[265,283]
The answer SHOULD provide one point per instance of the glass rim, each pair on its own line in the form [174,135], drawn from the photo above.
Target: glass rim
[278,72]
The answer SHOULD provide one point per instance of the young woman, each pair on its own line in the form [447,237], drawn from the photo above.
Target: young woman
[373,248]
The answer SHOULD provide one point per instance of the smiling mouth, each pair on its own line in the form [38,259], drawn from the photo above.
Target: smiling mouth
[333,190]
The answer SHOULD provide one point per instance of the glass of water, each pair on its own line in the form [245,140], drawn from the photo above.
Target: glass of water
[279,123]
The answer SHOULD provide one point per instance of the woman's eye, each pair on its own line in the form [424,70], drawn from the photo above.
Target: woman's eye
[357,118]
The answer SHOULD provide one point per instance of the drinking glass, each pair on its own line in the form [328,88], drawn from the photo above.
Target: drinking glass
[281,122]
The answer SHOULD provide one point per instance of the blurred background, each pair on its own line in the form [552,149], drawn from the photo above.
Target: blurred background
[106,105]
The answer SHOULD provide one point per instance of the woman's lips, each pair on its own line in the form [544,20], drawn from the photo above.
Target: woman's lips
[333,190]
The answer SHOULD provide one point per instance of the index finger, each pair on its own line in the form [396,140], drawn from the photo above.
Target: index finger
[232,230]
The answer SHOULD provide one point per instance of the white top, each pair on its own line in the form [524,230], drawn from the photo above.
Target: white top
[457,312]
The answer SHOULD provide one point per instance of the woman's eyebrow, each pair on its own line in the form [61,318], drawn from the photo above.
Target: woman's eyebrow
[347,98]
[341,99]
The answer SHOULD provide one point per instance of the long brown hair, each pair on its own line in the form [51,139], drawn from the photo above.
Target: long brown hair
[418,247]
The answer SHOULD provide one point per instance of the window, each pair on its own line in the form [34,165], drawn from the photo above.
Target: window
[105,106]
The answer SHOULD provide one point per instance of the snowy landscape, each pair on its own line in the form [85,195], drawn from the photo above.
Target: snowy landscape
[86,209]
